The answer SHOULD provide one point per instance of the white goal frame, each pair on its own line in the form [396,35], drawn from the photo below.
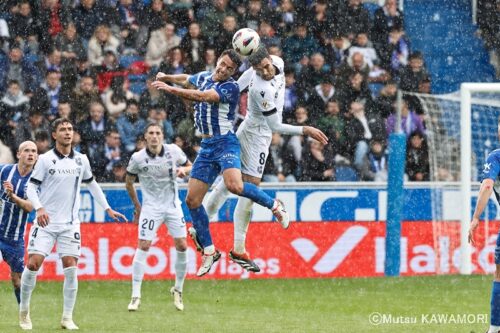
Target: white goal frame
[466,90]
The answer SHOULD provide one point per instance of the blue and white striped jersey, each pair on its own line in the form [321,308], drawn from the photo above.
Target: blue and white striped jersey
[12,217]
[215,118]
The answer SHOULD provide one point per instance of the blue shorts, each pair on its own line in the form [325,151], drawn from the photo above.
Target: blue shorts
[497,251]
[13,255]
[216,155]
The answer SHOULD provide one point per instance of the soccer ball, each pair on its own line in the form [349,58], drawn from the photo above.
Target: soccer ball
[246,41]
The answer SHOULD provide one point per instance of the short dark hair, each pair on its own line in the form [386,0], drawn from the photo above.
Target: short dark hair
[151,124]
[11,82]
[42,136]
[233,55]
[260,54]
[59,121]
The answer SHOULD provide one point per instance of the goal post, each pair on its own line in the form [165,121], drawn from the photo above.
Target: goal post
[466,91]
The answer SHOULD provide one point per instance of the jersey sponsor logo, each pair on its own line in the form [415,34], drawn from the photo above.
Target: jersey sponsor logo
[53,161]
[52,172]
[487,167]
[78,161]
[65,171]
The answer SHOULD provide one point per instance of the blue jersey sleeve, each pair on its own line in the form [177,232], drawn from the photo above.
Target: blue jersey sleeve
[491,169]
[228,92]
[195,79]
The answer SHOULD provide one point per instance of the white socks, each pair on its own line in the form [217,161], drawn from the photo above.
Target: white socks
[138,271]
[28,282]
[216,199]
[242,216]
[70,289]
[180,270]
[494,329]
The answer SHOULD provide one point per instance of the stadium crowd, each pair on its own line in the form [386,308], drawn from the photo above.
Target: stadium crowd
[94,62]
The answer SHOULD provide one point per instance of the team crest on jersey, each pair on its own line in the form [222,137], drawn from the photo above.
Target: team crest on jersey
[167,155]
[78,161]
[143,233]
[487,167]
[264,104]
[52,172]
[145,169]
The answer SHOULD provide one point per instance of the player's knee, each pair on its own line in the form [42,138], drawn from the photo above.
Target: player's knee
[497,273]
[33,266]
[181,247]
[144,245]
[193,202]
[235,187]
[16,280]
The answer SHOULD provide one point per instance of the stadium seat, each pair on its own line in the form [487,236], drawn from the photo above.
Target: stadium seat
[127,60]
[344,173]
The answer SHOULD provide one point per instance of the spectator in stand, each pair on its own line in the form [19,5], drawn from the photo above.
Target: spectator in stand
[375,163]
[194,43]
[336,49]
[355,90]
[275,169]
[323,92]
[46,98]
[22,24]
[384,104]
[317,162]
[34,123]
[64,110]
[417,157]
[71,45]
[217,12]
[321,20]
[6,156]
[208,62]
[394,53]
[13,108]
[332,124]
[224,38]
[128,20]
[107,154]
[51,62]
[87,16]
[118,172]
[15,67]
[295,143]
[293,96]
[82,96]
[311,75]
[355,63]
[42,141]
[364,46]
[93,129]
[354,19]
[255,14]
[385,18]
[156,16]
[287,17]
[360,128]
[160,43]
[299,46]
[101,41]
[174,62]
[116,96]
[267,35]
[410,121]
[130,125]
[51,17]
[76,143]
[414,73]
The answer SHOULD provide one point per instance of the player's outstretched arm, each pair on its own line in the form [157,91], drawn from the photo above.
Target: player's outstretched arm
[316,134]
[274,122]
[22,203]
[210,95]
[129,185]
[179,79]
[482,200]
[99,196]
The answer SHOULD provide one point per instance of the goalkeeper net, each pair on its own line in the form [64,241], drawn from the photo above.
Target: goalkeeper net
[442,114]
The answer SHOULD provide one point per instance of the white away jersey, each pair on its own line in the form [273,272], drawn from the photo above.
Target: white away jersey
[59,179]
[264,96]
[157,176]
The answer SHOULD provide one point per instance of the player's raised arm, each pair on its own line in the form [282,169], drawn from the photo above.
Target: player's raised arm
[209,96]
[24,204]
[179,79]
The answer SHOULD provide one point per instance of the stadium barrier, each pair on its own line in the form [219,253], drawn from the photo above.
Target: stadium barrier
[348,242]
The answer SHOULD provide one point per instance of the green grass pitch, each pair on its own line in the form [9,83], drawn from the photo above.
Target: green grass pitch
[314,305]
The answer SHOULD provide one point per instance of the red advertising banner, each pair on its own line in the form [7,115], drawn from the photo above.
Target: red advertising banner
[305,250]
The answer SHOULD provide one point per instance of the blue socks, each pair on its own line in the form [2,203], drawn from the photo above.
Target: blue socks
[251,191]
[17,291]
[200,224]
[495,304]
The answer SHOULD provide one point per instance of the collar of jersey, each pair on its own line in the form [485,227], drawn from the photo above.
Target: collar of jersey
[150,153]
[61,156]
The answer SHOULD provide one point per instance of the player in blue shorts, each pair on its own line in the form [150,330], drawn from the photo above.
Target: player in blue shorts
[491,172]
[216,96]
[14,210]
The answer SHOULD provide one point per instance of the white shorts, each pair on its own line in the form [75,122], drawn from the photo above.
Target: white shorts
[254,142]
[150,221]
[66,236]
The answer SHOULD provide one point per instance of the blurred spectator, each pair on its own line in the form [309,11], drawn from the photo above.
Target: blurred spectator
[332,124]
[174,62]
[13,107]
[417,157]
[107,154]
[267,35]
[87,16]
[46,98]
[193,44]
[224,38]
[128,18]
[160,42]
[337,50]
[323,92]
[216,13]
[364,46]
[19,69]
[355,90]
[81,97]
[255,14]
[130,125]
[299,46]
[410,121]
[295,142]
[293,96]
[354,19]
[71,45]
[375,164]
[94,128]
[22,25]
[101,41]
[412,74]
[34,123]
[51,62]
[51,18]
[287,17]
[77,141]
[384,104]
[156,16]
[311,75]
[42,141]
[64,110]
[116,96]
[118,173]
[317,162]
[275,169]
[208,63]
[6,156]
[321,20]
[385,18]
[395,52]
[355,63]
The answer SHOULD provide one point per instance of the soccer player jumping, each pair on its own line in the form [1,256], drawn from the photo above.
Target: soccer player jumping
[157,166]
[14,210]
[491,172]
[216,97]
[54,192]
[265,81]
